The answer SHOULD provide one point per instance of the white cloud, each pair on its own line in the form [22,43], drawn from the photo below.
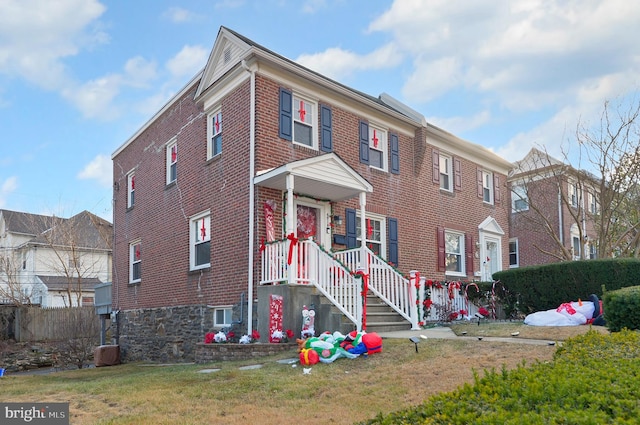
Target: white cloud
[38,34]
[100,169]
[179,15]
[337,63]
[312,6]
[94,98]
[188,61]
[457,125]
[546,49]
[140,72]
[8,187]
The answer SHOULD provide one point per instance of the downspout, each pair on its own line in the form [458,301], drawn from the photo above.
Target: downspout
[252,168]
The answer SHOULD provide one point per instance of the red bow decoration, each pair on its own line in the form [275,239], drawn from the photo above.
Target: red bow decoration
[294,241]
[262,245]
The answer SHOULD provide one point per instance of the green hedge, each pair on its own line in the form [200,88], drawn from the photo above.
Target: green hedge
[593,379]
[622,308]
[540,288]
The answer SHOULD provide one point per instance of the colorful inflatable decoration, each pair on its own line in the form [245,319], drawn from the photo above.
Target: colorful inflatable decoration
[308,357]
[569,314]
[329,347]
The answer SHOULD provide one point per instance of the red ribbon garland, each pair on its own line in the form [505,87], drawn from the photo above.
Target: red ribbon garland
[294,242]
[262,245]
[365,289]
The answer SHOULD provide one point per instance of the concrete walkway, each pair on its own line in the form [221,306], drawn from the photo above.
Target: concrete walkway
[445,332]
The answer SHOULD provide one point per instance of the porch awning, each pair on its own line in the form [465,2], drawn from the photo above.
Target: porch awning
[324,177]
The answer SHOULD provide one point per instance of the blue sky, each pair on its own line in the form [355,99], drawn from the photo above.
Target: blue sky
[79,77]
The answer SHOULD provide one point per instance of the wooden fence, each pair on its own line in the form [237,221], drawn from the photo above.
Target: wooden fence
[55,324]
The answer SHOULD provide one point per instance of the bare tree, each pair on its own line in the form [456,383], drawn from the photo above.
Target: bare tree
[594,190]
[77,250]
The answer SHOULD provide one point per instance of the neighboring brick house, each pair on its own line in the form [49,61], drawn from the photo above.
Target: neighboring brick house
[552,212]
[53,261]
[204,192]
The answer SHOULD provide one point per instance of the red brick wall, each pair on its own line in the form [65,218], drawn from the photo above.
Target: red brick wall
[161,214]
[535,244]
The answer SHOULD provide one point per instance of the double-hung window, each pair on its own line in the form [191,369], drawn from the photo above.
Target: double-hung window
[519,198]
[131,189]
[377,147]
[303,122]
[513,253]
[454,253]
[375,234]
[487,187]
[214,146]
[374,147]
[298,119]
[200,241]
[573,194]
[172,161]
[135,262]
[446,173]
[593,204]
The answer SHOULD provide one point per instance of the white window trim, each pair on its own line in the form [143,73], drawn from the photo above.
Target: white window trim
[487,175]
[130,199]
[574,194]
[383,145]
[132,244]
[519,193]
[517,264]
[383,231]
[215,316]
[594,207]
[463,259]
[170,145]
[448,171]
[192,240]
[314,120]
[211,132]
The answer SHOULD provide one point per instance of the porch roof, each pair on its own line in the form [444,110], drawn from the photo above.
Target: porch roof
[325,177]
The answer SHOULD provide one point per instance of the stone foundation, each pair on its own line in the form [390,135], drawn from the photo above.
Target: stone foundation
[210,353]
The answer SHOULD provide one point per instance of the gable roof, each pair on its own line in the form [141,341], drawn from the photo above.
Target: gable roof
[61,283]
[83,230]
[232,48]
[25,223]
[322,177]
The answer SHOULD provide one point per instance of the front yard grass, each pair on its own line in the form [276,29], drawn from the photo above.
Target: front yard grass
[343,392]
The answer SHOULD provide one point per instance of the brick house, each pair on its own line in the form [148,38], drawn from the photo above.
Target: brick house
[552,212]
[204,194]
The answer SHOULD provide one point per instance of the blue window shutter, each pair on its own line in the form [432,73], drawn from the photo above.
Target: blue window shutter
[395,154]
[393,241]
[352,237]
[364,142]
[286,114]
[326,136]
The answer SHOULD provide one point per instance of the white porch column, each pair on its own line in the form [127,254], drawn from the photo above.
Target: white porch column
[291,226]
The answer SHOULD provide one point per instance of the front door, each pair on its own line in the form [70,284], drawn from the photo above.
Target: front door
[491,259]
[312,221]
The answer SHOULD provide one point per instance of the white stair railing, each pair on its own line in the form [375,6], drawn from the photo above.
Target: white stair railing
[313,266]
[385,282]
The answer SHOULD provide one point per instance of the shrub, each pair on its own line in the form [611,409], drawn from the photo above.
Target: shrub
[592,380]
[622,308]
[547,286]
